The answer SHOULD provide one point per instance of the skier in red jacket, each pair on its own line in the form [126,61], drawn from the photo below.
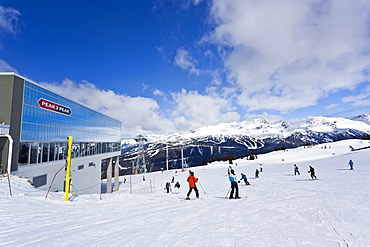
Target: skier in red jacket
[192,180]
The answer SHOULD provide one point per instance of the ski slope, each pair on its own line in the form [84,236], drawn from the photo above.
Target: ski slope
[280,209]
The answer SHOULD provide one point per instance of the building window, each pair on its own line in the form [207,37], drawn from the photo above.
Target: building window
[41,152]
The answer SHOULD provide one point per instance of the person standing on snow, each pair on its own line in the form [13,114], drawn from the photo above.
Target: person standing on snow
[312,171]
[256,174]
[261,168]
[350,163]
[228,170]
[192,186]
[296,170]
[244,177]
[168,187]
[234,185]
[177,185]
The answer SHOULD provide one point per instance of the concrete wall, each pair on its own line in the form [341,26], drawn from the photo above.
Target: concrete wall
[83,181]
[11,99]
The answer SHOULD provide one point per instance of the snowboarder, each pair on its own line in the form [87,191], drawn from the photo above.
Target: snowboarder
[256,174]
[350,163]
[168,187]
[261,168]
[234,185]
[312,171]
[192,185]
[244,177]
[296,170]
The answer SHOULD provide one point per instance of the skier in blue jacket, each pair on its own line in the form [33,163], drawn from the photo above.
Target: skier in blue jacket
[350,163]
[244,177]
[234,185]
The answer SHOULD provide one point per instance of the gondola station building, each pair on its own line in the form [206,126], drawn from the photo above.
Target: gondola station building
[35,124]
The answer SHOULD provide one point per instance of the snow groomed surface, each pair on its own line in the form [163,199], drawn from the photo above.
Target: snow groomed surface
[281,209]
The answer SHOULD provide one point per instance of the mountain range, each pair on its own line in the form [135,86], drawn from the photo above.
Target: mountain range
[228,141]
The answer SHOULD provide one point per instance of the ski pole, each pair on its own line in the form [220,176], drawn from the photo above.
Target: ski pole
[228,192]
[202,188]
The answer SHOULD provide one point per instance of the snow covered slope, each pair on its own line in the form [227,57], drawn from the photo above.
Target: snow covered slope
[241,139]
[281,209]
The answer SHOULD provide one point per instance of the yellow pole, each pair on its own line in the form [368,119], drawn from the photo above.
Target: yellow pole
[68,171]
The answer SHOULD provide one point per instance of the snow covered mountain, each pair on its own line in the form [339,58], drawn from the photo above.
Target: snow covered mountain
[242,139]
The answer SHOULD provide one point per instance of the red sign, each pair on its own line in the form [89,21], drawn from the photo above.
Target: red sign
[48,105]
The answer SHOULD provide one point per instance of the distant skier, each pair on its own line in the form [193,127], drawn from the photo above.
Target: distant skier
[256,174]
[177,185]
[244,177]
[234,185]
[168,187]
[261,168]
[192,185]
[143,178]
[173,179]
[312,171]
[296,170]
[350,163]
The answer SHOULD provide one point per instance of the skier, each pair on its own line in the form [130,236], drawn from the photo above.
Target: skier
[228,170]
[173,179]
[192,186]
[168,187]
[234,185]
[296,170]
[177,185]
[261,168]
[350,163]
[244,177]
[256,174]
[312,171]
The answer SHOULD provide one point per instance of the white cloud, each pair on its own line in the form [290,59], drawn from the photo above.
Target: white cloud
[157,92]
[185,61]
[268,117]
[285,55]
[139,115]
[362,99]
[9,20]
[201,110]
[331,106]
[5,67]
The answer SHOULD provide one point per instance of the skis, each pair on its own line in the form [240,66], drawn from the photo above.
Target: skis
[236,198]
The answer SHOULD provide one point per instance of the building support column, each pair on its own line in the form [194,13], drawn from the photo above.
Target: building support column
[116,173]
[109,175]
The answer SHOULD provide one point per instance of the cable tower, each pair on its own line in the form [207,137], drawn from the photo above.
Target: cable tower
[140,166]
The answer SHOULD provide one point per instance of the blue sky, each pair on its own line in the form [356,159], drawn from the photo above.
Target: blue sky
[167,66]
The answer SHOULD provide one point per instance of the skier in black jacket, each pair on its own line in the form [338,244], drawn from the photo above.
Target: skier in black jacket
[312,171]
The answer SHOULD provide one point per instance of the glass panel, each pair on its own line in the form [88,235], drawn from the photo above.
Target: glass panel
[35,152]
[45,152]
[53,151]
[23,152]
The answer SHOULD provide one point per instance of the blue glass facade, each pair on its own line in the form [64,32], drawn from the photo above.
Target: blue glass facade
[48,119]
[84,124]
